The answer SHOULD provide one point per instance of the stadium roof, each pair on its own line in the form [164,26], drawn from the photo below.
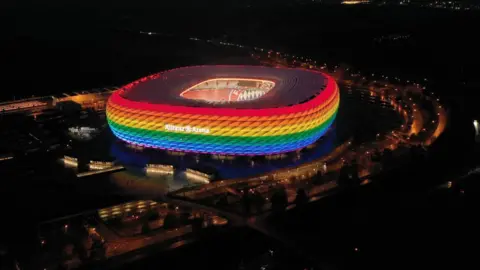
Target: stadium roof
[292,86]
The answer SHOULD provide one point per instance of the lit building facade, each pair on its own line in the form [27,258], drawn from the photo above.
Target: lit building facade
[227,110]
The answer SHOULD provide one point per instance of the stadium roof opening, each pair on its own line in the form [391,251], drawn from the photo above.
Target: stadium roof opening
[228,90]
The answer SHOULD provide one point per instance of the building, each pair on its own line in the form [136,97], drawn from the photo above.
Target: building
[228,110]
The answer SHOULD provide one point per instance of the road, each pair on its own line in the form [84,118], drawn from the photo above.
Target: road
[441,122]
[303,171]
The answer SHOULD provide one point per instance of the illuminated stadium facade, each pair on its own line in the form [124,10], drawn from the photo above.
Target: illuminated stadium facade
[231,110]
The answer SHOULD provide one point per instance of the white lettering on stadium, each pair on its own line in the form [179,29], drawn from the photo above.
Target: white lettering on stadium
[186,129]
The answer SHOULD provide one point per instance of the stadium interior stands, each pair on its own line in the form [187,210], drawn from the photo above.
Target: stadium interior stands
[189,86]
[228,90]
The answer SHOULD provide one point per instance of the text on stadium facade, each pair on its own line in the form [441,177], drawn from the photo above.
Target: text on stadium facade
[186,129]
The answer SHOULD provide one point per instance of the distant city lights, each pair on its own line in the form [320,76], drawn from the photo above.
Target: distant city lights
[355,2]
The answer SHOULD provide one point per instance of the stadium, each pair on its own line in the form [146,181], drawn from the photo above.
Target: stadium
[228,110]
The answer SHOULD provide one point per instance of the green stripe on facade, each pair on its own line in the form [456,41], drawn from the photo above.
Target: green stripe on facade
[220,140]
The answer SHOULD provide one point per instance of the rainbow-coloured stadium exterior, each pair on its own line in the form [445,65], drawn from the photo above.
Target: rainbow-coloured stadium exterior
[153,111]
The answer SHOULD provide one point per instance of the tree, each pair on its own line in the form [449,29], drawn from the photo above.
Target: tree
[197,224]
[223,200]
[246,200]
[422,135]
[376,156]
[170,221]
[279,200]
[417,153]
[318,179]
[152,214]
[258,201]
[146,227]
[292,179]
[301,198]
[98,249]
[68,251]
[348,175]
[414,137]
[387,158]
